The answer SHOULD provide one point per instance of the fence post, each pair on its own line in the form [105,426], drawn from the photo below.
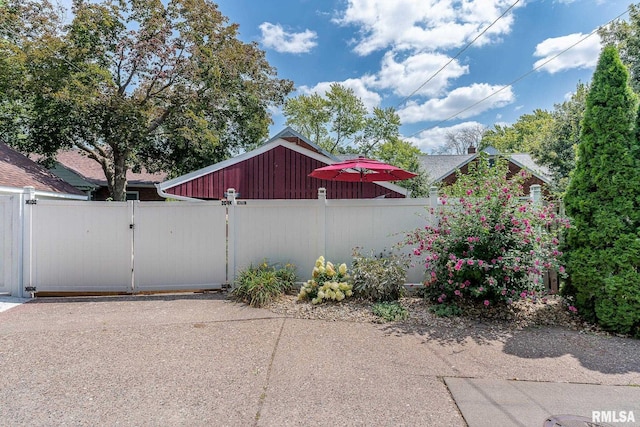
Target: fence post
[535,192]
[433,196]
[27,201]
[322,221]
[231,236]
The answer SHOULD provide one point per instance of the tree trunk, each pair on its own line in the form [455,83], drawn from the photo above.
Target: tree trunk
[119,186]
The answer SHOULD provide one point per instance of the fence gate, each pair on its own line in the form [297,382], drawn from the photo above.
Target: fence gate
[9,243]
[77,246]
[179,246]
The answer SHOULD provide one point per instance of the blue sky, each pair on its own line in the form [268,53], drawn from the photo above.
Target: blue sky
[386,49]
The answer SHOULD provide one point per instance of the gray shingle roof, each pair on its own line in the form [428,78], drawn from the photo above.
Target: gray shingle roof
[440,166]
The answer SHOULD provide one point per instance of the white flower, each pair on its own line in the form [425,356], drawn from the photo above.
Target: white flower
[342,269]
[330,270]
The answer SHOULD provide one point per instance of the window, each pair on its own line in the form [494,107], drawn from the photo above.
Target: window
[133,195]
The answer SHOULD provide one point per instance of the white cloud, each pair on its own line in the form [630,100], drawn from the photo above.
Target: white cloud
[369,98]
[583,55]
[425,26]
[275,37]
[432,140]
[459,103]
[406,76]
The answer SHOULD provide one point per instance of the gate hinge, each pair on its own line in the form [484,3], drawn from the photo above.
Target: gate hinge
[132,226]
[31,202]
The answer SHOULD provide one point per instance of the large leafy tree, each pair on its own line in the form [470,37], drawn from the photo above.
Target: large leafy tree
[524,136]
[339,121]
[161,84]
[625,35]
[557,148]
[603,199]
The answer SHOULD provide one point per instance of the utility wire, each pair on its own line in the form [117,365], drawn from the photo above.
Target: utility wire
[457,55]
[516,80]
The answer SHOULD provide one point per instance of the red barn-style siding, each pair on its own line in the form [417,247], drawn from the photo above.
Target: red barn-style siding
[278,173]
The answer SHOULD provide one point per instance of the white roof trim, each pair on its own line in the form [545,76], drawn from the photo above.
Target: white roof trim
[532,172]
[48,194]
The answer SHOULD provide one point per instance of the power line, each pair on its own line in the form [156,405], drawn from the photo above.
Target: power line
[516,80]
[457,54]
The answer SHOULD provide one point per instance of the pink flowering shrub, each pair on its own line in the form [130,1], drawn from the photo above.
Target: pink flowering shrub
[489,245]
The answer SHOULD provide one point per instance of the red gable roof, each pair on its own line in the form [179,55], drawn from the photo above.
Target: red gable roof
[17,170]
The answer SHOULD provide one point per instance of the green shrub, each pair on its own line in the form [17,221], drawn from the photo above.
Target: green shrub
[446,310]
[258,286]
[379,278]
[327,283]
[488,246]
[603,249]
[390,311]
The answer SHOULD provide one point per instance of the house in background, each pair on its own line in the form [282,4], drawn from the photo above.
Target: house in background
[278,169]
[87,175]
[442,169]
[18,171]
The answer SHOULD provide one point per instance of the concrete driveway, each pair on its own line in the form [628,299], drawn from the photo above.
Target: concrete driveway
[194,360]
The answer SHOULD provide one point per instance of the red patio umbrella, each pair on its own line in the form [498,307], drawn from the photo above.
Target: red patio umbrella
[361,170]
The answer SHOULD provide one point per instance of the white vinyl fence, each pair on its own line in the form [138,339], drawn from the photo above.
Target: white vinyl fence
[128,247]
[10,238]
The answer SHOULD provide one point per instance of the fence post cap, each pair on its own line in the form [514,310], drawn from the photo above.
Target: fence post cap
[322,193]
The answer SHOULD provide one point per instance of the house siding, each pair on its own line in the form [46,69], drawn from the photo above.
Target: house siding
[280,173]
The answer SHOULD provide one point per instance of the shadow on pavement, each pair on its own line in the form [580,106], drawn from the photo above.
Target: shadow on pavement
[596,352]
[131,297]
[457,331]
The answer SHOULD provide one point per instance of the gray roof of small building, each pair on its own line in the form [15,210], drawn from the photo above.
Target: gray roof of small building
[439,167]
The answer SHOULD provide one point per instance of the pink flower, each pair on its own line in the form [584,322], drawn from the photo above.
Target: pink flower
[470,262]
[416,252]
[573,309]
[486,303]
[457,292]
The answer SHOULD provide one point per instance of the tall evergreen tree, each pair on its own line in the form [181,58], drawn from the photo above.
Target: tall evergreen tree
[603,200]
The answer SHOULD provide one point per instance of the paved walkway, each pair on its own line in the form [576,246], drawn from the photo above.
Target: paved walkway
[201,360]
